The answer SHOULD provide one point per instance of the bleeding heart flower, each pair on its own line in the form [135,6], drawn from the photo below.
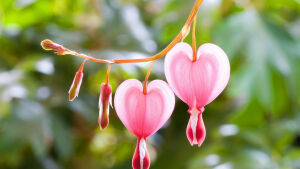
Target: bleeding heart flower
[104,101]
[143,114]
[197,83]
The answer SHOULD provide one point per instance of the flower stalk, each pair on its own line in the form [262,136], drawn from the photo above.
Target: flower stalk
[60,50]
[146,78]
[194,43]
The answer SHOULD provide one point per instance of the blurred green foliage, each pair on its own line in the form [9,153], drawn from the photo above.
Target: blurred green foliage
[254,124]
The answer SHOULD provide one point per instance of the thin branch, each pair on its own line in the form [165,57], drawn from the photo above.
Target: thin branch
[60,50]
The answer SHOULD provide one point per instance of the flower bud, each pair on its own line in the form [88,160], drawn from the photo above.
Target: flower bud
[75,87]
[49,45]
[104,101]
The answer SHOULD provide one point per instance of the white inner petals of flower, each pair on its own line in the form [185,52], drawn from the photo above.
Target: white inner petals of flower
[110,100]
[142,150]
[194,119]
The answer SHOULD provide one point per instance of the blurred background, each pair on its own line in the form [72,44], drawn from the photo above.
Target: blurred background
[254,124]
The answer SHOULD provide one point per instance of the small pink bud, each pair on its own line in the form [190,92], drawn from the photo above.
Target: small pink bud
[49,45]
[104,101]
[75,87]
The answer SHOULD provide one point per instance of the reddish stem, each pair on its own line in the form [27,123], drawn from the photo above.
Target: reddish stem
[82,66]
[194,45]
[146,78]
[49,45]
[107,73]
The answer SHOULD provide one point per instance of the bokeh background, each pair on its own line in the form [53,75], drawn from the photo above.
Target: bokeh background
[254,124]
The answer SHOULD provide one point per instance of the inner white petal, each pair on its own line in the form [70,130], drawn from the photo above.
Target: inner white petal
[194,119]
[142,149]
[110,100]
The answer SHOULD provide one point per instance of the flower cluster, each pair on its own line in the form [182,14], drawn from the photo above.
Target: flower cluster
[196,77]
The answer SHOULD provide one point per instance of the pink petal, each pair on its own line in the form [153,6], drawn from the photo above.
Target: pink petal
[201,81]
[140,159]
[143,114]
[195,130]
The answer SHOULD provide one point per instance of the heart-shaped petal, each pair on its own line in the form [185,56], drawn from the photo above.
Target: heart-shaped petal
[197,82]
[143,114]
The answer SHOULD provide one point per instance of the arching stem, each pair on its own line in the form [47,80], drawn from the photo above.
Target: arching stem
[146,78]
[60,50]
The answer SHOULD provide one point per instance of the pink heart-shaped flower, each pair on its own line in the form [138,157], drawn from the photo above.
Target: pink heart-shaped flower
[143,114]
[197,83]
[202,80]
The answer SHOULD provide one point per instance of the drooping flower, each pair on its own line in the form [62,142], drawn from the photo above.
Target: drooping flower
[143,114]
[75,87]
[197,83]
[105,100]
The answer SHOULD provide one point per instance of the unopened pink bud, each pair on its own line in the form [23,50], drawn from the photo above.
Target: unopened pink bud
[75,87]
[49,45]
[104,101]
